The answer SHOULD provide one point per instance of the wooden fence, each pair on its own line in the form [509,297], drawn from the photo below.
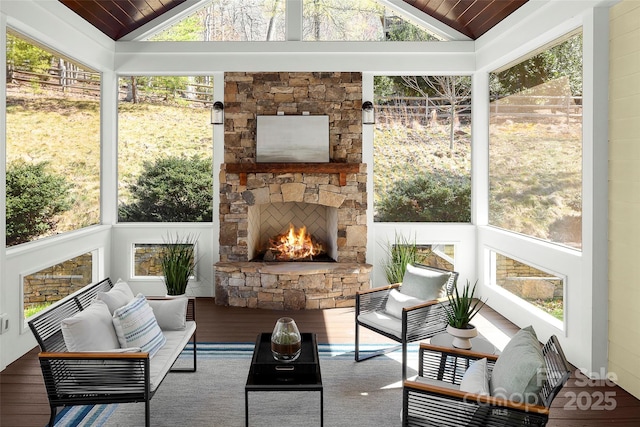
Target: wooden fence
[437,110]
[88,83]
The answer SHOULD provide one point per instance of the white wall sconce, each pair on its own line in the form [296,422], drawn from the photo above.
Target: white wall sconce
[368,113]
[217,113]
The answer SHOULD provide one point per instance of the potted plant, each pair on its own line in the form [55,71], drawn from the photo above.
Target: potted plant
[460,310]
[400,253]
[178,262]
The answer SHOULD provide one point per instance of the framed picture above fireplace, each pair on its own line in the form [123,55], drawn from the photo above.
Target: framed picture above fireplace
[292,139]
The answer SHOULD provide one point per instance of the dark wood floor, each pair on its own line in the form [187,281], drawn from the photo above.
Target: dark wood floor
[23,401]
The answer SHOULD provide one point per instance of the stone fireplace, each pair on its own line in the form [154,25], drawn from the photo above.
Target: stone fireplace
[259,200]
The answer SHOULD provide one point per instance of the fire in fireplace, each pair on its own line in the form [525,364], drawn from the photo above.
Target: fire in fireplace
[295,245]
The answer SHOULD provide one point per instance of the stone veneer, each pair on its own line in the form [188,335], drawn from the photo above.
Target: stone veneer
[242,283]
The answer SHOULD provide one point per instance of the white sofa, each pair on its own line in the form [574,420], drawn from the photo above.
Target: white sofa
[102,344]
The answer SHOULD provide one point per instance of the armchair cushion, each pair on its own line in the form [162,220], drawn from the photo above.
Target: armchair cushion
[437,383]
[382,321]
[136,326]
[476,378]
[519,372]
[90,329]
[397,301]
[423,283]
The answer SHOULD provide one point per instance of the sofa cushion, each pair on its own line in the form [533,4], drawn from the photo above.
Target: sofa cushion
[171,313]
[423,283]
[167,355]
[117,296]
[136,326]
[397,301]
[476,378]
[90,329]
[519,372]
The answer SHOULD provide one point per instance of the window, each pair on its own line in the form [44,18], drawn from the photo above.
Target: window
[539,288]
[51,284]
[164,149]
[423,123]
[323,20]
[230,20]
[53,143]
[357,20]
[535,145]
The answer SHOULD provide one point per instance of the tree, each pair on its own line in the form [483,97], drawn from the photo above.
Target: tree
[172,189]
[562,60]
[456,90]
[35,196]
[25,55]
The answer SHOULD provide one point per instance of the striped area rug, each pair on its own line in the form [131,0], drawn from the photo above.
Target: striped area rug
[98,415]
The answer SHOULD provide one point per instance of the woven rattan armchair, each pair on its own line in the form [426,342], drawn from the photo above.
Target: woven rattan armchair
[417,322]
[431,400]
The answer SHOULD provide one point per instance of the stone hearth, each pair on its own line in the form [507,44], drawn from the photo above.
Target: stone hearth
[289,286]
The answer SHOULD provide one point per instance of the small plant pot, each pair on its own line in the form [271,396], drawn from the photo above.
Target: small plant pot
[462,337]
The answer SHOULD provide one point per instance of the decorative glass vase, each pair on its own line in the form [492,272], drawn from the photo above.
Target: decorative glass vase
[286,341]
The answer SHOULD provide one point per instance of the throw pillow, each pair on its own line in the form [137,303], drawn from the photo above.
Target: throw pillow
[136,326]
[90,329]
[171,313]
[476,378]
[520,370]
[423,284]
[397,301]
[117,296]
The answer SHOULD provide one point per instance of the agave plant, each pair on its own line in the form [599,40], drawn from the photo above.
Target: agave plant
[400,253]
[463,307]
[178,262]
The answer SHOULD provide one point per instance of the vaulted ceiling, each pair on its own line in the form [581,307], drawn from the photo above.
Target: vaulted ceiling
[117,18]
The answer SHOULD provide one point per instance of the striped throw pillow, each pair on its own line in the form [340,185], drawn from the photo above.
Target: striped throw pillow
[136,326]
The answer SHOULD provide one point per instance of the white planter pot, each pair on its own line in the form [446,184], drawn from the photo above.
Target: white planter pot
[462,337]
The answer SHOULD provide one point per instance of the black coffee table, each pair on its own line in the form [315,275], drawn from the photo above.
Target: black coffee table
[268,374]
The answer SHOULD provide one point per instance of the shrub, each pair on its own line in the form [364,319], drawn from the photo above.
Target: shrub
[399,254]
[427,198]
[35,196]
[172,189]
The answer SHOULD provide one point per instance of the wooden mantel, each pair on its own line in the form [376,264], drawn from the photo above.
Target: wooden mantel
[340,168]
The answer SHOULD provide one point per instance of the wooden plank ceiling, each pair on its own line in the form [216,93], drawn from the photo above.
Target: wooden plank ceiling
[117,18]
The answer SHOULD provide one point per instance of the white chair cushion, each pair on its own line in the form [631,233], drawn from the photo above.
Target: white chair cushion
[429,381]
[397,301]
[519,372]
[476,378]
[118,296]
[170,313]
[90,329]
[423,284]
[382,321]
[136,326]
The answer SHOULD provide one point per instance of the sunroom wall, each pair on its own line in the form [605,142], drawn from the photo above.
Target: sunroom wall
[584,332]
[624,205]
[496,47]
[57,28]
